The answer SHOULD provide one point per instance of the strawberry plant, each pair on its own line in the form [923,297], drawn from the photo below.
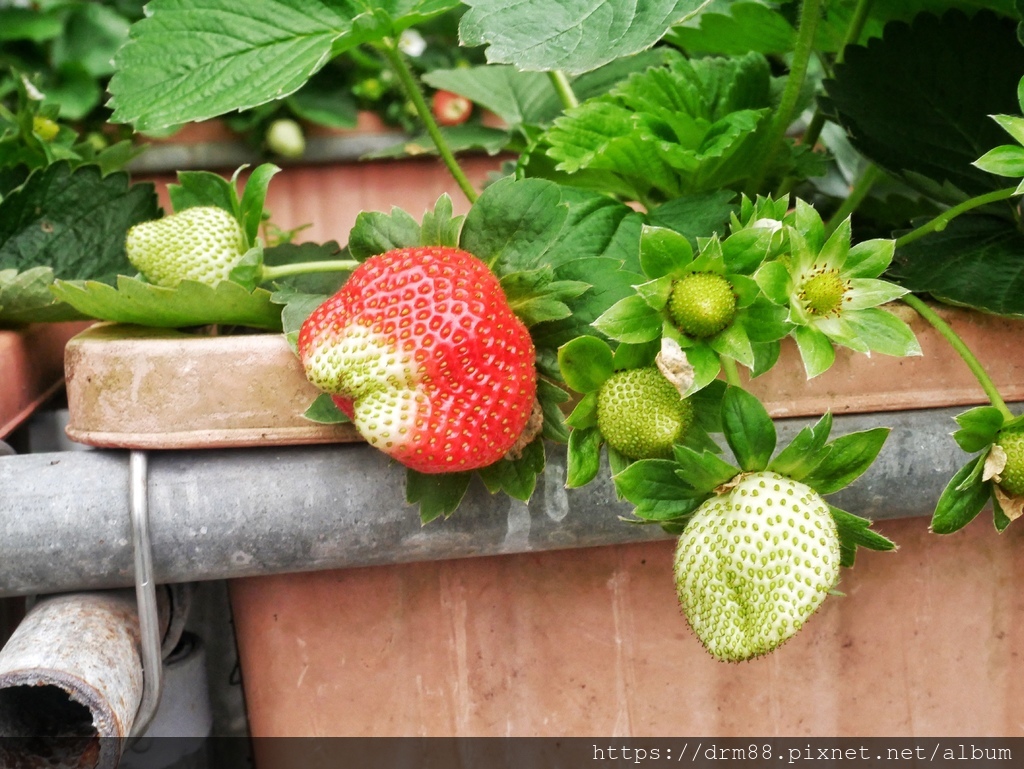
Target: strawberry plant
[695,186]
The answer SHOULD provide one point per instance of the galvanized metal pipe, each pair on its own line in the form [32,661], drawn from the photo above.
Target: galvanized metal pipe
[246,512]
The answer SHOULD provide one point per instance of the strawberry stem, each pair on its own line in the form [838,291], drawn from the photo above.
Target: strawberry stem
[415,94]
[962,349]
[276,272]
[732,373]
[939,222]
[564,89]
[810,13]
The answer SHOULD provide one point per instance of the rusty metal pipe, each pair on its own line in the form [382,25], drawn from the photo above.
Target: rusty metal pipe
[71,677]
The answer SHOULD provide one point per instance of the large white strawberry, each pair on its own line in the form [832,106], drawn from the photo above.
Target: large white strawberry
[754,562]
[202,243]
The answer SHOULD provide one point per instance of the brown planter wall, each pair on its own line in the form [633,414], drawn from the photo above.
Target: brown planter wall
[927,642]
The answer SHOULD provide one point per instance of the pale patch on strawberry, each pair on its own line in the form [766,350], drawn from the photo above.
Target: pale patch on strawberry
[754,563]
[422,350]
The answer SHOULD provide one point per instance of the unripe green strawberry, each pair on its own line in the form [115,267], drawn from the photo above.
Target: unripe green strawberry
[1011,441]
[702,304]
[286,138]
[754,562]
[641,414]
[422,350]
[201,243]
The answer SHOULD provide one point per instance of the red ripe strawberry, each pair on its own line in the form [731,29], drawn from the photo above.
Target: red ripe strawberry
[450,108]
[421,349]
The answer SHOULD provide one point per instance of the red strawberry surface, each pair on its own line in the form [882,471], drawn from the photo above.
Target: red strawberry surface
[421,349]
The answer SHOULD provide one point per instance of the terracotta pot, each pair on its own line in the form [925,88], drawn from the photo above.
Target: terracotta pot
[31,369]
[130,387]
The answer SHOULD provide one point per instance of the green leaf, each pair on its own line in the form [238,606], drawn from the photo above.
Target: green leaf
[663,252]
[849,457]
[597,226]
[630,320]
[924,68]
[325,411]
[749,430]
[191,60]
[552,397]
[253,198]
[513,223]
[203,188]
[25,297]
[816,351]
[746,27]
[516,477]
[515,97]
[325,101]
[74,221]
[298,253]
[655,490]
[978,428]
[703,471]
[1007,160]
[959,506]
[436,495]
[584,456]
[439,227]
[190,304]
[377,233]
[695,216]
[572,36]
[585,413]
[297,306]
[855,532]
[585,363]
[974,262]
[805,451]
[536,297]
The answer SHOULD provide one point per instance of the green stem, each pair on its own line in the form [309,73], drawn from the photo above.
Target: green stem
[732,372]
[861,188]
[939,222]
[564,89]
[275,272]
[415,94]
[853,33]
[962,349]
[810,12]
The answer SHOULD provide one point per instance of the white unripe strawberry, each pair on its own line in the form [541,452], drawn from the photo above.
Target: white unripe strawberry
[201,243]
[754,562]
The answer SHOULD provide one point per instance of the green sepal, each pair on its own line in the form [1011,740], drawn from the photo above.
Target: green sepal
[636,355]
[1006,160]
[999,517]
[978,428]
[869,258]
[439,227]
[656,292]
[707,407]
[883,332]
[254,196]
[734,343]
[203,188]
[516,477]
[855,532]
[297,306]
[535,296]
[745,250]
[850,456]
[974,477]
[583,457]
[816,351]
[749,430]
[325,411]
[765,357]
[958,506]
[437,495]
[655,490]
[585,413]
[248,270]
[585,363]
[663,252]
[775,281]
[805,452]
[630,320]
[706,366]
[617,461]
[375,232]
[704,472]
[551,398]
